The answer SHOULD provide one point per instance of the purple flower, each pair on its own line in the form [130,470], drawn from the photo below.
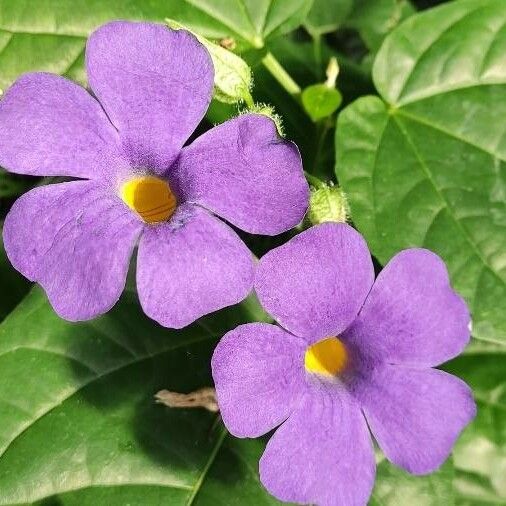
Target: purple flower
[143,184]
[351,354]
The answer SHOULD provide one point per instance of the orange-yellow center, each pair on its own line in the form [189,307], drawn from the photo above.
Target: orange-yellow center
[328,356]
[150,197]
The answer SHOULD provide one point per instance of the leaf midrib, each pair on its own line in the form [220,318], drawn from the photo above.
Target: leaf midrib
[444,201]
[195,488]
[137,360]
[213,14]
[439,128]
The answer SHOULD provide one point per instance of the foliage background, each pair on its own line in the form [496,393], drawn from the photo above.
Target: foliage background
[422,156]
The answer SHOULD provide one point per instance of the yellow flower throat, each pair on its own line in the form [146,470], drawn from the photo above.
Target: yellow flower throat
[328,356]
[151,198]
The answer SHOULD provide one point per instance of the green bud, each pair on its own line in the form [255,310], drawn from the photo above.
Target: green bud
[232,75]
[328,203]
[332,72]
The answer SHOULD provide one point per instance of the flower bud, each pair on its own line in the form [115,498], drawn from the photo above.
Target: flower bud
[328,203]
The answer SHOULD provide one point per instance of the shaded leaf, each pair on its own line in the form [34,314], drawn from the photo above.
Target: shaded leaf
[374,19]
[12,185]
[327,15]
[233,479]
[78,421]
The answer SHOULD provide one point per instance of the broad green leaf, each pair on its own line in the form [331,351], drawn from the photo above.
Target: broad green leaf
[396,487]
[233,479]
[480,454]
[374,19]
[327,15]
[78,422]
[50,35]
[422,166]
[320,101]
[250,22]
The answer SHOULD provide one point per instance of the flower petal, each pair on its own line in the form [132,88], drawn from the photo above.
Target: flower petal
[154,83]
[259,375]
[415,415]
[76,240]
[412,315]
[244,172]
[323,453]
[191,266]
[315,284]
[51,126]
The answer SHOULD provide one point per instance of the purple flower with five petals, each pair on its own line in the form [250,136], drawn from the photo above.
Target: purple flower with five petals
[354,354]
[142,184]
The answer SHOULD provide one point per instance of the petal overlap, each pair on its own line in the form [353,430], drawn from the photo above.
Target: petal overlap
[190,266]
[244,172]
[76,240]
[315,285]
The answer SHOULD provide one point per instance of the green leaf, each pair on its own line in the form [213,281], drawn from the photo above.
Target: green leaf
[250,22]
[77,415]
[50,35]
[320,101]
[306,63]
[480,454]
[423,167]
[396,487]
[233,479]
[374,19]
[327,15]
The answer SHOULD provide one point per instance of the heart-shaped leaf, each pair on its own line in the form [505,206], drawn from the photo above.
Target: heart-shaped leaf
[422,165]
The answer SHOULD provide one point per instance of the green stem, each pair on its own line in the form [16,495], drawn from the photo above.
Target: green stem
[248,99]
[322,131]
[280,74]
[317,51]
[313,180]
